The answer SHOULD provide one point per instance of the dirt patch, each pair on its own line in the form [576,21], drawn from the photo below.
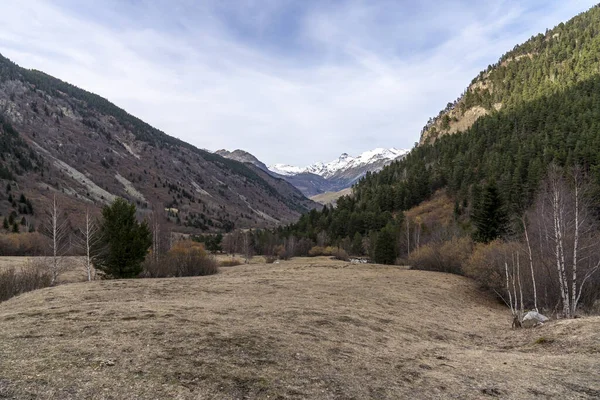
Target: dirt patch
[306,328]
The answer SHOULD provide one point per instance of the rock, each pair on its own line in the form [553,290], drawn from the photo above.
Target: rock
[533,318]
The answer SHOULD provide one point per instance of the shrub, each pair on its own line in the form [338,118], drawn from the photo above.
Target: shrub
[316,251]
[232,262]
[270,259]
[486,264]
[31,277]
[449,256]
[186,258]
[282,252]
[23,244]
[340,254]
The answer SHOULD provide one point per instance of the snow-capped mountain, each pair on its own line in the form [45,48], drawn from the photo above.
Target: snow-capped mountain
[377,158]
[322,177]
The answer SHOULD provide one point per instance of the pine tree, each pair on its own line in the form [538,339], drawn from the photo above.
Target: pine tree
[357,245]
[124,241]
[15,228]
[385,247]
[5,224]
[490,216]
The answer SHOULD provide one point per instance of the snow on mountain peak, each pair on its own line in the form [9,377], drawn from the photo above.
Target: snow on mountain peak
[344,162]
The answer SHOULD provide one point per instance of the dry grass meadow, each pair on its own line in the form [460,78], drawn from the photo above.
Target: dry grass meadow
[301,329]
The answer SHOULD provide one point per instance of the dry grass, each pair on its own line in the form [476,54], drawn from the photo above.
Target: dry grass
[72,269]
[306,328]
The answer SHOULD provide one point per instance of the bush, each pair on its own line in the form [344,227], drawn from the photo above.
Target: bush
[232,262]
[337,252]
[186,258]
[340,254]
[270,259]
[31,277]
[283,253]
[449,256]
[316,251]
[486,264]
[23,244]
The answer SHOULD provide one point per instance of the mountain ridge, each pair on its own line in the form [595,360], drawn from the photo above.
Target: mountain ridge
[62,140]
[343,162]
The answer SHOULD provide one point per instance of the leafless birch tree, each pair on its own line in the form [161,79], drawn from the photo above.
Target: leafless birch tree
[56,228]
[88,240]
[565,221]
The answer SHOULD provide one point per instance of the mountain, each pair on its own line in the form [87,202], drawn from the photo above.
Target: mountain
[59,140]
[539,104]
[545,65]
[370,160]
[243,157]
[338,174]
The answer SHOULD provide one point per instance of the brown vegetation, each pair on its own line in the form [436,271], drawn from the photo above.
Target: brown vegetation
[186,258]
[35,274]
[306,328]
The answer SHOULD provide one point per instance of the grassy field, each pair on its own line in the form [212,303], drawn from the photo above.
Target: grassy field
[308,328]
[71,270]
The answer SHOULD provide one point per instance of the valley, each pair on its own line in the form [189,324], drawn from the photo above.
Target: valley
[135,264]
[320,178]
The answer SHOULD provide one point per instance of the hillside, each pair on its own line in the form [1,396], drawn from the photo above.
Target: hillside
[546,65]
[550,113]
[307,328]
[331,197]
[57,139]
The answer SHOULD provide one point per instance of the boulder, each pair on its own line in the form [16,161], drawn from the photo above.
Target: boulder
[533,318]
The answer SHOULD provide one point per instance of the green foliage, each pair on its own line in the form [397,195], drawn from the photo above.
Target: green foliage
[356,247]
[550,113]
[212,243]
[490,217]
[385,246]
[124,241]
[16,156]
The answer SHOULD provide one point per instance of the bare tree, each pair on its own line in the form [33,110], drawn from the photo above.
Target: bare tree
[247,246]
[529,253]
[407,235]
[88,240]
[56,228]
[161,237]
[566,223]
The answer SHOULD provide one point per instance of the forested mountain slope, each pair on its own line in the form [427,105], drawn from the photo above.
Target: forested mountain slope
[57,139]
[549,91]
[547,64]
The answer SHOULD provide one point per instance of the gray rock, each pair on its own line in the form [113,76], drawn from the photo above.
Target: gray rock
[533,318]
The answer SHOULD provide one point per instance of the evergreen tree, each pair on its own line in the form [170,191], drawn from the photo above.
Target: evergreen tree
[124,241]
[385,247]
[15,228]
[490,216]
[357,245]
[5,224]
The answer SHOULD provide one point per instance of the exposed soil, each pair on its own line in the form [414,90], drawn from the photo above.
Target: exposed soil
[307,328]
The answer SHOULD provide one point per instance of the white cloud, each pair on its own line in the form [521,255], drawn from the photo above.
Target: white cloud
[369,74]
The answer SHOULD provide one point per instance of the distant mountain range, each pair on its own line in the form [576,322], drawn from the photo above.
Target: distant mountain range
[319,178]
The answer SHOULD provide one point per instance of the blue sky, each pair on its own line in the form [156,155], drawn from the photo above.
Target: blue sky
[290,81]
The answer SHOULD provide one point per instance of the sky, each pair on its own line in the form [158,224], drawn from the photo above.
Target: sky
[291,82]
